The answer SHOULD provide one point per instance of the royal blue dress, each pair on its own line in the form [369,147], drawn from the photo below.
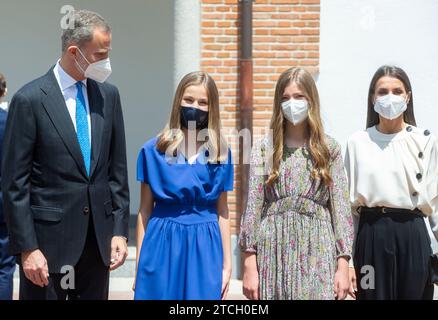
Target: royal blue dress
[181,254]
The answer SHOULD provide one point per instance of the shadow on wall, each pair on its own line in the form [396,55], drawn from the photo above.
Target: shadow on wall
[142,58]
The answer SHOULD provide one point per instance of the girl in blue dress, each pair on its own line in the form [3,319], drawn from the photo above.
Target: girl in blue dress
[183,237]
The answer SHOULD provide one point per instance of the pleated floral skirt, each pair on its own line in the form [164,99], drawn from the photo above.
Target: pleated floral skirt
[296,255]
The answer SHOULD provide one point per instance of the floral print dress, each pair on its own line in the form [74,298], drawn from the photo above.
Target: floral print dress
[298,227]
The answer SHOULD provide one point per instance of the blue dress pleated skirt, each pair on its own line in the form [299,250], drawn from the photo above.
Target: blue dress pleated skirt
[181,255]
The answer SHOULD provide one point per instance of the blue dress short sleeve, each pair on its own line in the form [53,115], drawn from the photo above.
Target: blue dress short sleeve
[142,172]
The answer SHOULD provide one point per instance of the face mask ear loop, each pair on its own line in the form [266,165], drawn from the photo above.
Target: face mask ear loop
[83,56]
[77,63]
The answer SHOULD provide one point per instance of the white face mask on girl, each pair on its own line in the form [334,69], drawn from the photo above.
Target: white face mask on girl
[98,71]
[296,111]
[390,106]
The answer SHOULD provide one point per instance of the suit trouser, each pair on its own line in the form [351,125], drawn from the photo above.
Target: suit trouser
[91,278]
[7,265]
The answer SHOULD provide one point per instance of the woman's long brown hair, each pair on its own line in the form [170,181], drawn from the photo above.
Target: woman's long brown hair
[317,144]
[393,72]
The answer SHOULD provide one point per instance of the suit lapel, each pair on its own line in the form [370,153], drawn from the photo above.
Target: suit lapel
[96,102]
[56,108]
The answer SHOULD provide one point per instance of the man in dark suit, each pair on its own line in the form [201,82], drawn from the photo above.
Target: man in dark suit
[7,262]
[64,182]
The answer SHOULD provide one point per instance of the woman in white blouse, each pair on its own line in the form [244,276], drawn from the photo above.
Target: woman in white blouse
[392,168]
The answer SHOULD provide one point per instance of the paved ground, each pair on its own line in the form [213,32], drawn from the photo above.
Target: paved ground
[235,292]
[120,289]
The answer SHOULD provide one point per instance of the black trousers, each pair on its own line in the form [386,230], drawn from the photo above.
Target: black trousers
[91,278]
[7,265]
[392,256]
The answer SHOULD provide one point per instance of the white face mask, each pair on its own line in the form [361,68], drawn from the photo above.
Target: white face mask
[295,110]
[98,71]
[390,106]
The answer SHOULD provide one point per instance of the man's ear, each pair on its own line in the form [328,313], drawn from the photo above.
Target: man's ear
[4,93]
[72,50]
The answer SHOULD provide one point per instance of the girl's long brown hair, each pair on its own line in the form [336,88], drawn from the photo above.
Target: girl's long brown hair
[171,137]
[318,147]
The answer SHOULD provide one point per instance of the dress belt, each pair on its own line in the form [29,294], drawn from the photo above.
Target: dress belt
[384,210]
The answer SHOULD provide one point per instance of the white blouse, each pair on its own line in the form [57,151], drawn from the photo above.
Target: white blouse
[394,170]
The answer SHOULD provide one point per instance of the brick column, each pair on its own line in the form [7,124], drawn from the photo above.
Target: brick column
[286,34]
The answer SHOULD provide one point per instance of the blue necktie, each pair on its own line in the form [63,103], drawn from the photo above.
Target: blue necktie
[82,127]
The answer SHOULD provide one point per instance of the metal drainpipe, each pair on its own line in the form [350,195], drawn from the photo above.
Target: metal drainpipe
[246,89]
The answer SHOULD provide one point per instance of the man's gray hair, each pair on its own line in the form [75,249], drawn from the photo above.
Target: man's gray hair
[81,26]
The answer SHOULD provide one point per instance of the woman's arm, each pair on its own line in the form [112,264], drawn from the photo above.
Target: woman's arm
[342,221]
[251,216]
[431,175]
[224,226]
[144,212]
[250,222]
[250,276]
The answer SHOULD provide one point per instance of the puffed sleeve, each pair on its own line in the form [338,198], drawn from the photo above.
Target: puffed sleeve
[250,221]
[142,172]
[432,185]
[340,208]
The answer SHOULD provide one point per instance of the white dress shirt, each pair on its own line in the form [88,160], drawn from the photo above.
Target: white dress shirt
[68,88]
[394,170]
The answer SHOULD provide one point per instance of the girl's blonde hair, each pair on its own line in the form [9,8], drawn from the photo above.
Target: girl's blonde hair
[318,147]
[171,137]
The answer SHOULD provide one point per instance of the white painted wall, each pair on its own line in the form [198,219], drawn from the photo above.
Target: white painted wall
[142,58]
[359,36]
[187,41]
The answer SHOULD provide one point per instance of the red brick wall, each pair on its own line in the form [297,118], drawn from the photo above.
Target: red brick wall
[285,34]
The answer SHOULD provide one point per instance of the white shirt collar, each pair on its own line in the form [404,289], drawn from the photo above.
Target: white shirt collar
[65,81]
[4,105]
[199,155]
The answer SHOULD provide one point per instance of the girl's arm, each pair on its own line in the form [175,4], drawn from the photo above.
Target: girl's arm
[250,222]
[144,212]
[224,226]
[342,221]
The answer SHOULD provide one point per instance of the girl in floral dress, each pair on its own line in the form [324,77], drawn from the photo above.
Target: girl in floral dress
[296,232]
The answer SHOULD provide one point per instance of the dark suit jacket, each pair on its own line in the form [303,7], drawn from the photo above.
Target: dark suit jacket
[48,196]
[3,117]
